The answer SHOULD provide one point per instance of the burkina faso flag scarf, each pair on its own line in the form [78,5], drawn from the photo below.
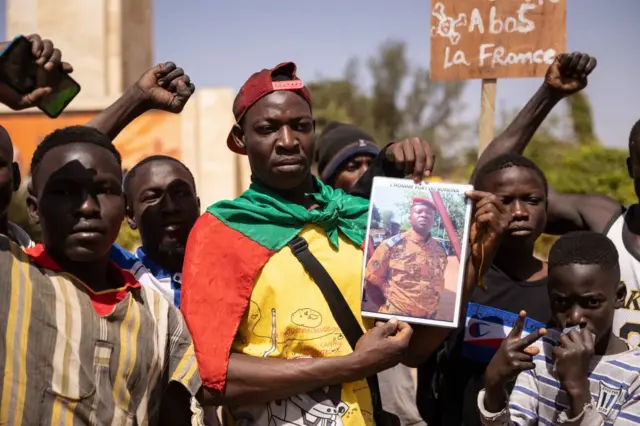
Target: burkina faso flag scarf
[229,245]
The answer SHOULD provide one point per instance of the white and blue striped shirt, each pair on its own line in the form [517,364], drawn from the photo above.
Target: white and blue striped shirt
[538,398]
[148,273]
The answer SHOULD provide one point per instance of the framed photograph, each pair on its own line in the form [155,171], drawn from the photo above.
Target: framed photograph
[417,243]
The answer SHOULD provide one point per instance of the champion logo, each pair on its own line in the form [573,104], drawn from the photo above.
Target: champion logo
[478,329]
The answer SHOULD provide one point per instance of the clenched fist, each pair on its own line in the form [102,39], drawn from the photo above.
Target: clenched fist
[383,346]
[412,156]
[165,87]
[568,73]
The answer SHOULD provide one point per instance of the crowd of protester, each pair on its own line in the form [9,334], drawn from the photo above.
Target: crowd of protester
[237,316]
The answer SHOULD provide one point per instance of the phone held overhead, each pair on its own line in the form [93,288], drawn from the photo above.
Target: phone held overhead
[20,72]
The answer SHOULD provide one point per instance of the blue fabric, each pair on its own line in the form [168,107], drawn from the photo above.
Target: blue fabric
[147,272]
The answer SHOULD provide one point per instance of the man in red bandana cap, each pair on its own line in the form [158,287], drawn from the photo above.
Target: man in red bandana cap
[268,346]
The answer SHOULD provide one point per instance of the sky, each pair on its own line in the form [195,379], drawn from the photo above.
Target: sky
[222,42]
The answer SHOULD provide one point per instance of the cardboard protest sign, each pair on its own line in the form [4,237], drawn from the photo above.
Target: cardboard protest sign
[492,39]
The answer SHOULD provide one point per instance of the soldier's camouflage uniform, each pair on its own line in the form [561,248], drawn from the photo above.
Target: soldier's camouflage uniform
[409,270]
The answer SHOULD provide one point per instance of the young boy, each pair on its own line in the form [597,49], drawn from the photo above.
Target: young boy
[516,281]
[581,373]
[83,341]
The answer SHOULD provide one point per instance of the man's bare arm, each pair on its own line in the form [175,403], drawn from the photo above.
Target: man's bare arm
[577,212]
[566,212]
[164,87]
[120,114]
[253,380]
[566,75]
[518,134]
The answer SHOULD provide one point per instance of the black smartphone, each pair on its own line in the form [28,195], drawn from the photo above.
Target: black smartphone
[19,71]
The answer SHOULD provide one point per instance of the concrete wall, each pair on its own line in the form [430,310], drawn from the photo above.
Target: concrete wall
[95,37]
[197,137]
[206,122]
[110,44]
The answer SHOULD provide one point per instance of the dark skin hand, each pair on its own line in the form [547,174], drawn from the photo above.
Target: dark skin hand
[162,204]
[514,356]
[572,357]
[568,73]
[253,380]
[163,87]
[413,157]
[48,57]
[566,212]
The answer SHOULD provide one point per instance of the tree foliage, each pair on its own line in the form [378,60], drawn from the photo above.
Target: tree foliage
[402,102]
[580,163]
[572,157]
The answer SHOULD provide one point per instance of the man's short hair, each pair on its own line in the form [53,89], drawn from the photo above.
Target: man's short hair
[506,161]
[71,135]
[128,177]
[583,248]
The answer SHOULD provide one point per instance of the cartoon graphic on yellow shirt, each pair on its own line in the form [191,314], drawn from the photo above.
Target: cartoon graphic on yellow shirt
[299,324]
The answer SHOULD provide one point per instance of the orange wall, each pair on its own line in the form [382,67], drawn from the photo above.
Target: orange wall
[155,132]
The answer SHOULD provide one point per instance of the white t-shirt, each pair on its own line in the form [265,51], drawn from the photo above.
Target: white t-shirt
[626,322]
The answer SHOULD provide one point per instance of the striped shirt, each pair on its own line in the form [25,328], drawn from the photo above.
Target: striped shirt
[148,273]
[62,363]
[537,397]
[19,235]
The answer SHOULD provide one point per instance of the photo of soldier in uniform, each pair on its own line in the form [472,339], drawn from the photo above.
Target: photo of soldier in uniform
[416,243]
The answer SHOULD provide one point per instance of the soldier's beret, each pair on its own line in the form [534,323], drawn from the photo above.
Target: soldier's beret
[416,199]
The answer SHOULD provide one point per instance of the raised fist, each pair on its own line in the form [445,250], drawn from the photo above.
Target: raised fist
[568,73]
[165,87]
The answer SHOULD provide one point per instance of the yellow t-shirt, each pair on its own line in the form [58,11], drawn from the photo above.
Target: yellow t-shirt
[289,318]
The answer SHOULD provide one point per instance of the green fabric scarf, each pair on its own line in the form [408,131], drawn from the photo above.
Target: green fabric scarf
[268,219]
